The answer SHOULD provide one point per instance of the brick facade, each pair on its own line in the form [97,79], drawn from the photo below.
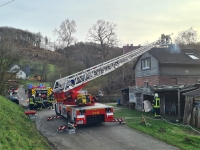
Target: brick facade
[151,80]
[166,80]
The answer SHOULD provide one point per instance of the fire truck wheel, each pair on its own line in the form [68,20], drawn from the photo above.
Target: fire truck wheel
[68,116]
[56,110]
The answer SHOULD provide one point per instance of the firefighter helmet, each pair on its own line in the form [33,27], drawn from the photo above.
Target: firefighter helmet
[156,95]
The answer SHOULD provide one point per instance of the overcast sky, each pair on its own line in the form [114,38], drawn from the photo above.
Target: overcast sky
[138,21]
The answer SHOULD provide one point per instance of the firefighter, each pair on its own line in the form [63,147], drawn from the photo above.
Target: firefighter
[156,105]
[39,102]
[50,101]
[32,102]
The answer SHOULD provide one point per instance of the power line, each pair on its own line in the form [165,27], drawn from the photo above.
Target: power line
[6,3]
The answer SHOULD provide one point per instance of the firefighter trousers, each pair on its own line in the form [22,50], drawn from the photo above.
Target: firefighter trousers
[39,106]
[31,106]
[50,105]
[157,112]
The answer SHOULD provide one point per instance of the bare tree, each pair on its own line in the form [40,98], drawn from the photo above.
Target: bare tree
[38,37]
[65,39]
[103,38]
[9,55]
[44,71]
[186,37]
[103,35]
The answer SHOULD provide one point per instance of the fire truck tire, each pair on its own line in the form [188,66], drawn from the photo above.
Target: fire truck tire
[56,110]
[68,116]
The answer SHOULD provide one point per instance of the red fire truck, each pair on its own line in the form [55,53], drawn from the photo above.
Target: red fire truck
[13,86]
[39,89]
[81,108]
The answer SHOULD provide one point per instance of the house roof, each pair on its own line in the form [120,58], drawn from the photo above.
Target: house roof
[13,66]
[171,56]
[26,69]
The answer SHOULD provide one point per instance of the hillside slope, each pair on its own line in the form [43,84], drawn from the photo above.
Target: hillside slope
[17,131]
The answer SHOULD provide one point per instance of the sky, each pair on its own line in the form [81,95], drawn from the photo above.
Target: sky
[138,21]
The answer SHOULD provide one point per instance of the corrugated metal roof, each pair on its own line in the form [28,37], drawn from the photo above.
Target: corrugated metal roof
[194,93]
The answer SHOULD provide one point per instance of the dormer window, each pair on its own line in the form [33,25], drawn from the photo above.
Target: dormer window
[191,55]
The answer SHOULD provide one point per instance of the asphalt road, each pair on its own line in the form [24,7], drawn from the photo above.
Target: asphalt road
[22,96]
[104,136]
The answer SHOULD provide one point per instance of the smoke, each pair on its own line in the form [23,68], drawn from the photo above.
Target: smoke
[174,48]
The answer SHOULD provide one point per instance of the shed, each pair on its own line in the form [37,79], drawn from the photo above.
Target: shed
[192,108]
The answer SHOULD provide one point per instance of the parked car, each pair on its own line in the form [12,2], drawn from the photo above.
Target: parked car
[14,99]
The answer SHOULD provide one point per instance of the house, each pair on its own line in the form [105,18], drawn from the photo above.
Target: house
[21,75]
[27,69]
[14,68]
[163,66]
[168,72]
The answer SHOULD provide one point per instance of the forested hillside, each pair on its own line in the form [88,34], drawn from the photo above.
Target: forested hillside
[52,65]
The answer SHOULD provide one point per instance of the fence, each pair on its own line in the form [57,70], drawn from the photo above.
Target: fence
[108,99]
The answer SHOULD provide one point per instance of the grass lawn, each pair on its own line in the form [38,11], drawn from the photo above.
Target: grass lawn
[17,131]
[172,133]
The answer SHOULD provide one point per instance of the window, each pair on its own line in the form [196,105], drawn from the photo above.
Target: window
[191,55]
[146,63]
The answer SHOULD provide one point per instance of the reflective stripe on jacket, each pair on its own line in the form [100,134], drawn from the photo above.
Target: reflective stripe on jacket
[51,99]
[156,102]
[39,100]
[31,100]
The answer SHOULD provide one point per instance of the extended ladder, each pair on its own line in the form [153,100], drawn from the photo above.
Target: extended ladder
[72,81]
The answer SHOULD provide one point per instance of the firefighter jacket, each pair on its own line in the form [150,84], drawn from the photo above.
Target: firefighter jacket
[31,100]
[51,99]
[156,102]
[39,100]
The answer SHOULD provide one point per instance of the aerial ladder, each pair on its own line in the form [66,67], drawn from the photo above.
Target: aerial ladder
[80,108]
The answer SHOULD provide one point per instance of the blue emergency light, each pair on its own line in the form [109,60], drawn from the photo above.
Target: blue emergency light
[41,85]
[30,86]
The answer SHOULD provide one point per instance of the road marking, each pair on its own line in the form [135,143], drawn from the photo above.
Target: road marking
[20,97]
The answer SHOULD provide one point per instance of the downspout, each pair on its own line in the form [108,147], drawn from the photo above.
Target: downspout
[179,105]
